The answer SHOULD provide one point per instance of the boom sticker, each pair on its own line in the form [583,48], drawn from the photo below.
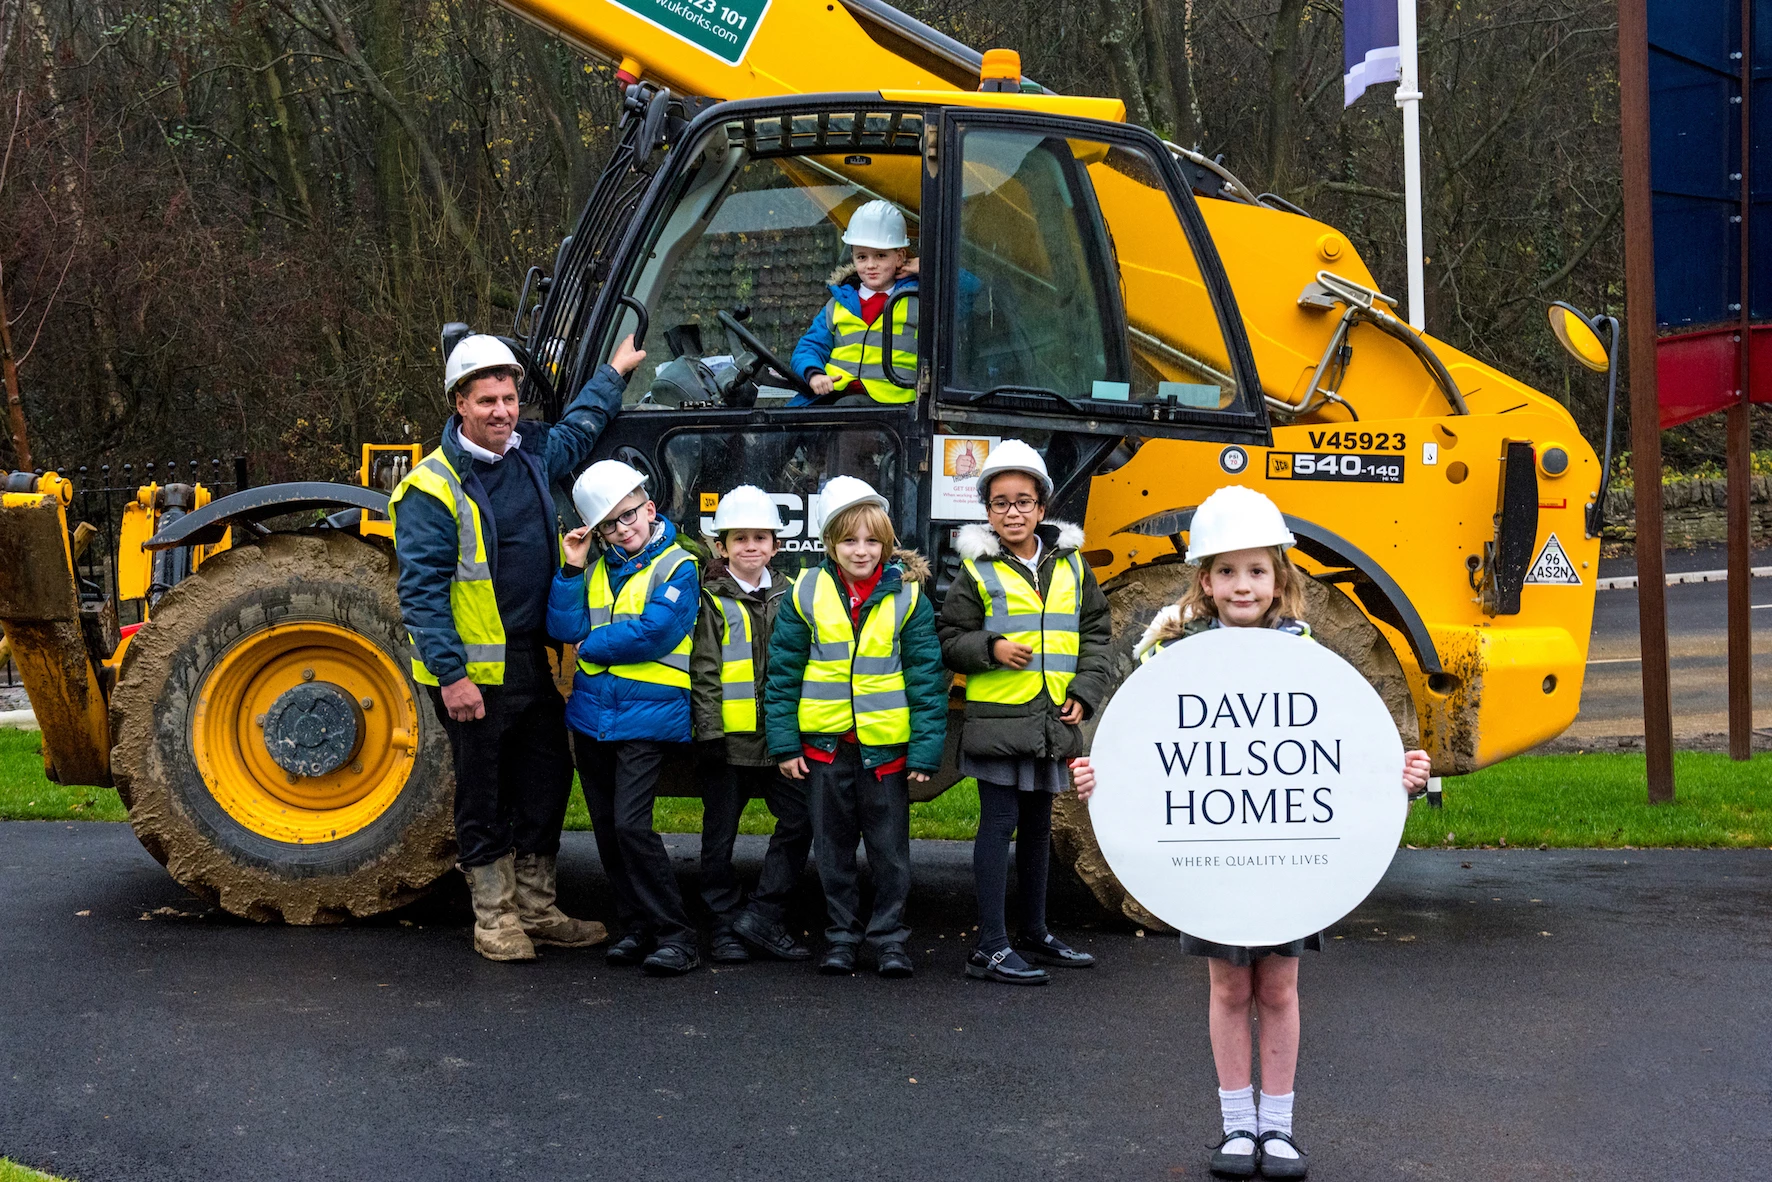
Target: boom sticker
[1552,566]
[722,28]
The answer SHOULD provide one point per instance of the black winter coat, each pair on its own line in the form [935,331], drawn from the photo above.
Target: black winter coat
[1031,729]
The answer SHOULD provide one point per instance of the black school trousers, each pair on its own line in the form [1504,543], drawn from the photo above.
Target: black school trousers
[513,772]
[725,792]
[620,783]
[851,806]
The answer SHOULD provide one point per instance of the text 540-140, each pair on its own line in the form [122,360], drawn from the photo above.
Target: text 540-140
[1348,466]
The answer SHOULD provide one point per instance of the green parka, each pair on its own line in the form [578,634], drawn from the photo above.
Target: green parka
[925,681]
[750,749]
[1031,729]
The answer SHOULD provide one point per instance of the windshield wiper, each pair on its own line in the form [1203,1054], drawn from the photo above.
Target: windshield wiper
[1028,392]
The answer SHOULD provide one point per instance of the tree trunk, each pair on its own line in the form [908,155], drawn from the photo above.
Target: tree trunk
[289,154]
[1166,100]
[1119,34]
[1282,92]
[15,407]
[395,169]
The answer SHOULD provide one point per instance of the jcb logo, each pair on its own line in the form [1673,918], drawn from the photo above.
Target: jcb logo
[1279,465]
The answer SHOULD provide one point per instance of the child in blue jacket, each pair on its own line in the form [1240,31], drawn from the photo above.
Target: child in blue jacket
[631,614]
[843,350]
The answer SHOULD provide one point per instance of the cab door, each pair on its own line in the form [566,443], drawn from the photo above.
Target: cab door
[1078,290]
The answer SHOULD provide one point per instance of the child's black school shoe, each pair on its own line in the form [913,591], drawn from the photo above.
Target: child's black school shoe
[1236,1165]
[838,960]
[1053,951]
[1281,1167]
[769,938]
[726,948]
[1004,966]
[671,960]
[629,950]
[894,961]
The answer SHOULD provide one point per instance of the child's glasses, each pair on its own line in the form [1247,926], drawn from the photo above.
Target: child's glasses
[609,528]
[1022,505]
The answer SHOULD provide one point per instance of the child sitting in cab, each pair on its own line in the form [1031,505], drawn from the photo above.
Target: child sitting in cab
[1238,543]
[843,349]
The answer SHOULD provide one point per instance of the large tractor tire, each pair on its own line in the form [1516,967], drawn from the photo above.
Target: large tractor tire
[271,746]
[1134,598]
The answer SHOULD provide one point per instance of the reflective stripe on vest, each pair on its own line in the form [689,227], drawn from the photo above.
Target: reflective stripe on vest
[856,352]
[852,684]
[738,669]
[672,669]
[472,604]
[1014,610]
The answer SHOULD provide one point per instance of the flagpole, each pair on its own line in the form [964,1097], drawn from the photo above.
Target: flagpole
[1409,99]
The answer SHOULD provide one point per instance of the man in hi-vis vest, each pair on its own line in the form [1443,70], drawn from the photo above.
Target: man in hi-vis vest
[478,543]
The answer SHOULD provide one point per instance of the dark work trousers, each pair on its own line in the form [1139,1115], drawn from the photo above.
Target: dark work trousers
[620,782]
[851,805]
[725,791]
[513,772]
[1027,816]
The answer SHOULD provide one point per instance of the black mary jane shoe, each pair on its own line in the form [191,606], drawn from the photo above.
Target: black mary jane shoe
[1236,1165]
[838,960]
[671,960]
[1281,1167]
[727,948]
[1004,966]
[768,937]
[1053,951]
[629,951]
[893,961]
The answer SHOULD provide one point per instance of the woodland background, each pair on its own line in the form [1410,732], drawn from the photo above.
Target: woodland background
[236,225]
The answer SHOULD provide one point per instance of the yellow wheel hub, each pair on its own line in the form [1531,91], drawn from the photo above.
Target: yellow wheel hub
[305,732]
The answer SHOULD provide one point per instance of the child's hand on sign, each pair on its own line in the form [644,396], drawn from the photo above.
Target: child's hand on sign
[1416,769]
[1083,776]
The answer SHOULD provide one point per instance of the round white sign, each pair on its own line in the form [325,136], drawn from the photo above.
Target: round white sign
[1248,786]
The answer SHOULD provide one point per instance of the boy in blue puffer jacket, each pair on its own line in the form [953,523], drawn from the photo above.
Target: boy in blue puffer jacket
[631,615]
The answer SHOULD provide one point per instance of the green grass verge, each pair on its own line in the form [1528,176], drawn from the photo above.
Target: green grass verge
[1579,801]
[12,1172]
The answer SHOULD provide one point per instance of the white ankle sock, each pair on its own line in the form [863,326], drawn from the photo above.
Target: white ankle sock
[1238,1110]
[1276,1114]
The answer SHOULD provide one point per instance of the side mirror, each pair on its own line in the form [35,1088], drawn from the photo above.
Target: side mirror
[1575,332]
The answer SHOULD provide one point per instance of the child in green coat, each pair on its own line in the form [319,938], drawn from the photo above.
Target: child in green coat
[856,704]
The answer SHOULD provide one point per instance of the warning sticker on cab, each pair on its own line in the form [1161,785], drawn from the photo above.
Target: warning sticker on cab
[1347,466]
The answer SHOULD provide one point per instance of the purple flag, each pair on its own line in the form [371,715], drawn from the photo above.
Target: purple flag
[1369,46]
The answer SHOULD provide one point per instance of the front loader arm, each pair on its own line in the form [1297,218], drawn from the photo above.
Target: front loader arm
[41,612]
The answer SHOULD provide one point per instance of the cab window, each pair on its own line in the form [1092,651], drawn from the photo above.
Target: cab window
[1077,279]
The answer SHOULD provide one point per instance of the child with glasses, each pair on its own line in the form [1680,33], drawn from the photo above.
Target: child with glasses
[630,611]
[1027,624]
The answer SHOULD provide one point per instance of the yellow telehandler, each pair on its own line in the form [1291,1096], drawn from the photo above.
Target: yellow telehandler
[1126,306]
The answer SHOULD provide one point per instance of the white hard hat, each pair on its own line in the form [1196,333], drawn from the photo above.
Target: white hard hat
[603,486]
[1236,518]
[747,507]
[1012,455]
[841,493]
[473,354]
[878,224]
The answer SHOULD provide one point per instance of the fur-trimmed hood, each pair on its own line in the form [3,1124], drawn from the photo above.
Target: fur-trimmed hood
[845,276]
[1168,625]
[916,568]
[981,541]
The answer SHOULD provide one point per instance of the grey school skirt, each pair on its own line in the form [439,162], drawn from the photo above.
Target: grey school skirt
[1244,957]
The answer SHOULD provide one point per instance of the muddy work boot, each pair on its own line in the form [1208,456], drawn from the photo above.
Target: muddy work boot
[543,922]
[498,934]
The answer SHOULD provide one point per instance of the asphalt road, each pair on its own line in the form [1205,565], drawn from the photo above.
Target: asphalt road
[1485,1015]
[1697,622]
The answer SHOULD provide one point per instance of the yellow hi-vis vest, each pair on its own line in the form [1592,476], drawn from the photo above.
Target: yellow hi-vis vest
[471,600]
[856,354]
[672,669]
[852,684]
[1049,626]
[738,669]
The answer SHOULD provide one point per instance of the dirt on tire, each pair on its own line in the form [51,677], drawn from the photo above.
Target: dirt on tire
[323,576]
[1134,598]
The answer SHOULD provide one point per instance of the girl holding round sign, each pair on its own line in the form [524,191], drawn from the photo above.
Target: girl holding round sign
[1238,542]
[1028,625]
